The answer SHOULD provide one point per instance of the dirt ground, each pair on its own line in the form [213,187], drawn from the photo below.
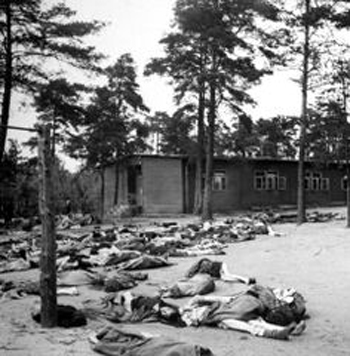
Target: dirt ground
[313,258]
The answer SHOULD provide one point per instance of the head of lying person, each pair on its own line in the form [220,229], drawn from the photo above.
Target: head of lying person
[133,302]
[204,265]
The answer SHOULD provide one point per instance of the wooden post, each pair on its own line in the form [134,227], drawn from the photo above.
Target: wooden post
[347,183]
[48,287]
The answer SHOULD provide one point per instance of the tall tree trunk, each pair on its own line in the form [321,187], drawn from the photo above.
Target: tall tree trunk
[304,114]
[346,141]
[198,200]
[102,198]
[116,187]
[53,139]
[207,200]
[6,102]
[55,163]
[347,188]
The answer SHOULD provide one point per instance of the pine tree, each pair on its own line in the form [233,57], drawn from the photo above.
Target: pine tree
[111,130]
[212,55]
[33,42]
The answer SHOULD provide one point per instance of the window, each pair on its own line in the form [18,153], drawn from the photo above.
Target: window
[269,180]
[344,183]
[259,180]
[219,180]
[315,181]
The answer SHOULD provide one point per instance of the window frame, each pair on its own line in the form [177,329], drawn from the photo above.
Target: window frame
[219,185]
[259,176]
[315,181]
[344,183]
[269,180]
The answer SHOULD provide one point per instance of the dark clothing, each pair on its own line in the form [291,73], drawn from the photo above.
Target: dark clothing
[244,308]
[116,342]
[67,317]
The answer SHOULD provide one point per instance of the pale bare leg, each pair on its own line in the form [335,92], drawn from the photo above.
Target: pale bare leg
[258,327]
[229,277]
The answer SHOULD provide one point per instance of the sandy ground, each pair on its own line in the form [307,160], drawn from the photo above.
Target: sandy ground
[313,258]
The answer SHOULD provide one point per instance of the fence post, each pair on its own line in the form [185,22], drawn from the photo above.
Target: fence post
[48,287]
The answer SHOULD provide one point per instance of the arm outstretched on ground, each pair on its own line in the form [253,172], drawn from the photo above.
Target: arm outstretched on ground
[229,277]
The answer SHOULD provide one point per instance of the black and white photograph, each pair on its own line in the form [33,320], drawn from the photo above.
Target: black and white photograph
[174,177]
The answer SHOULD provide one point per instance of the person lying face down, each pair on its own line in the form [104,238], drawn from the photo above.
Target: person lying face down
[217,269]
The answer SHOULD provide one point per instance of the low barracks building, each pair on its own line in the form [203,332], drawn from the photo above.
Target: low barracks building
[156,184]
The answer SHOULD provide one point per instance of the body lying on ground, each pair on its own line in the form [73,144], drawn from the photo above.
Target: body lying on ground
[260,311]
[200,279]
[114,342]
[216,269]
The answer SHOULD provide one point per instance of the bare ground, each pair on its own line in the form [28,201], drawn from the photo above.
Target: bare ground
[313,258]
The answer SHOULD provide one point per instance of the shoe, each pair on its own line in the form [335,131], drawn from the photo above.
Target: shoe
[279,334]
[251,280]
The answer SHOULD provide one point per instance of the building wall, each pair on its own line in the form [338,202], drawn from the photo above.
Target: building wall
[167,185]
[162,185]
[241,191]
[251,196]
[230,198]
[337,193]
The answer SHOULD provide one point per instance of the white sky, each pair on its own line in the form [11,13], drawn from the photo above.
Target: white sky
[136,26]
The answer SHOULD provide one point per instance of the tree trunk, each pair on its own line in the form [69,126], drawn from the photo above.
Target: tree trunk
[346,141]
[116,187]
[102,198]
[53,138]
[207,200]
[348,192]
[198,200]
[304,114]
[6,102]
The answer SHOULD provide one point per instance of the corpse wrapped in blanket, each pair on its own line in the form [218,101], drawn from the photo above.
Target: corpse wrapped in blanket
[111,341]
